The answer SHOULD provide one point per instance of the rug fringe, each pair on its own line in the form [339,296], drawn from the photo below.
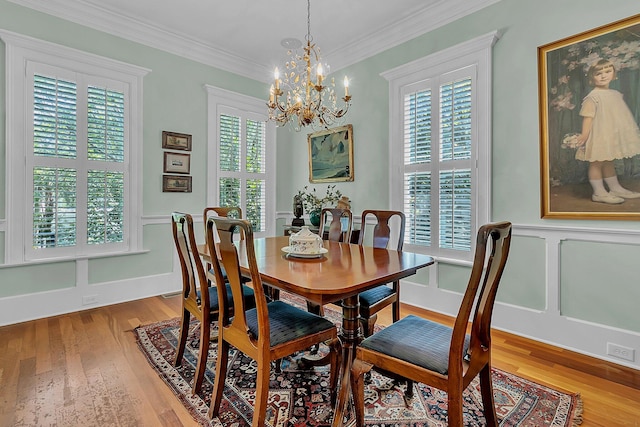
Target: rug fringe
[577,420]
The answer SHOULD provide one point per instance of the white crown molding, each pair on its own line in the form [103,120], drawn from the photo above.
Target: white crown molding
[398,32]
[141,32]
[376,41]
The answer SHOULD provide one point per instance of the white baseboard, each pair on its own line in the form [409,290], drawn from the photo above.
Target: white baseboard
[39,305]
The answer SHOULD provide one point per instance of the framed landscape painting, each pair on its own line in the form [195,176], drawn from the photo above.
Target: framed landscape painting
[331,155]
[176,184]
[589,90]
[176,141]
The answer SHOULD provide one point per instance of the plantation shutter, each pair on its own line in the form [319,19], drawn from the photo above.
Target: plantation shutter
[242,167]
[438,175]
[256,168]
[78,164]
[455,177]
[54,145]
[105,188]
[417,158]
[229,154]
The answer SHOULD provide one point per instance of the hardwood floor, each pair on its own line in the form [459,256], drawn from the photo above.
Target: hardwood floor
[84,369]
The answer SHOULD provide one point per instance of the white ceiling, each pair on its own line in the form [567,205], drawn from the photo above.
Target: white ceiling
[243,36]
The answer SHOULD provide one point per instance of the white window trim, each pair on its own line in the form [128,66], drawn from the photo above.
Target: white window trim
[221,100]
[477,51]
[20,50]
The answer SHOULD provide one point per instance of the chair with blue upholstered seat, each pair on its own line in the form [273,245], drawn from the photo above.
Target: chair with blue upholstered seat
[268,332]
[339,223]
[437,355]
[374,300]
[226,211]
[199,295]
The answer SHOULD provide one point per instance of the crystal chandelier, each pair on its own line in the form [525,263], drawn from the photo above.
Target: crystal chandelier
[300,96]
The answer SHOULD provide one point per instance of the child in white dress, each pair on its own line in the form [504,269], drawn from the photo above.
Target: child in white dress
[609,132]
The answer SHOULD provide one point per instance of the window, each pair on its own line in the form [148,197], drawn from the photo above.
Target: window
[74,140]
[242,167]
[440,150]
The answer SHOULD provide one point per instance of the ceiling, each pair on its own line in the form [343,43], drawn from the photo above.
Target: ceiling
[244,36]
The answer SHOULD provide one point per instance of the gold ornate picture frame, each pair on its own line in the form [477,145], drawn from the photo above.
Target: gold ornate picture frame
[568,159]
[331,155]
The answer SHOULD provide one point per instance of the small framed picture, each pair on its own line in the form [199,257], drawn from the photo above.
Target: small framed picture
[176,162]
[176,141]
[176,184]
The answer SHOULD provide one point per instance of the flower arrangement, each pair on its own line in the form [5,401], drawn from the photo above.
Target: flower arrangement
[313,202]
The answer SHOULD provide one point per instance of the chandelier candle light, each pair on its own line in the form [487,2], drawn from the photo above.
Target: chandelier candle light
[307,100]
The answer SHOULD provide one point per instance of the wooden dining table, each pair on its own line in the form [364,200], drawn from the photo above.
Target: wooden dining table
[339,275]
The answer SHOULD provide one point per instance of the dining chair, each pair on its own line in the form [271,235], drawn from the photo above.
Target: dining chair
[227,212]
[443,357]
[374,300]
[199,295]
[266,333]
[338,232]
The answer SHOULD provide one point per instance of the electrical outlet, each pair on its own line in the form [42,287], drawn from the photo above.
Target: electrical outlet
[89,299]
[621,352]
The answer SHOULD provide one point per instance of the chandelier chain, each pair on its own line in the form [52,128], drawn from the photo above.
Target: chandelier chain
[309,38]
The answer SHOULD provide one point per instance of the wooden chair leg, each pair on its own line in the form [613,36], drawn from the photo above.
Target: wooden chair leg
[363,326]
[262,393]
[395,307]
[314,308]
[221,375]
[182,337]
[317,309]
[409,392]
[203,354]
[358,369]
[454,408]
[272,293]
[336,362]
[486,389]
[371,323]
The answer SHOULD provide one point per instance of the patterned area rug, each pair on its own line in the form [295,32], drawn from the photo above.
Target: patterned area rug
[298,396]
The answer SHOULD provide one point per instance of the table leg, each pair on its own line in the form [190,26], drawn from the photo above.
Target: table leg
[350,336]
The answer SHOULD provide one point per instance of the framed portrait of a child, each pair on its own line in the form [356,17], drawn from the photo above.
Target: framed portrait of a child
[589,92]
